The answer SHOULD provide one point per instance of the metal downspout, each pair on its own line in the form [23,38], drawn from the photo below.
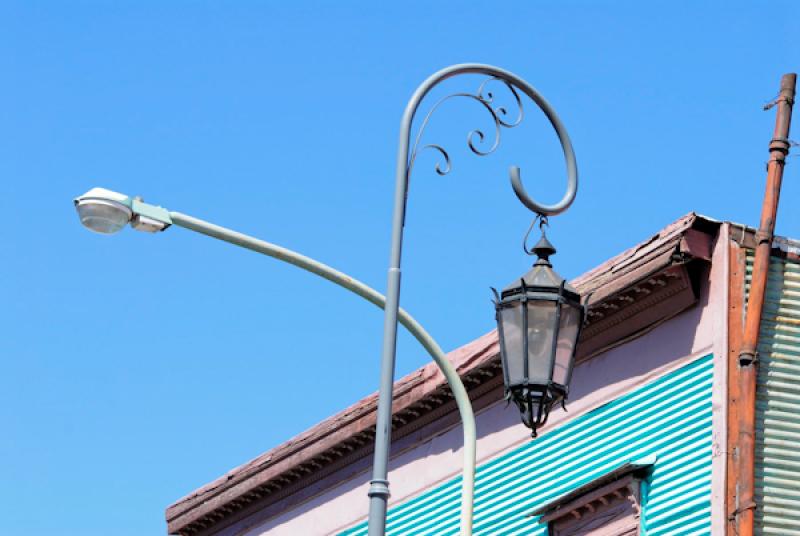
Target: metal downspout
[748,361]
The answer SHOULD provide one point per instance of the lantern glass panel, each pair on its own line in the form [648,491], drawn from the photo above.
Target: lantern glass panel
[567,336]
[511,317]
[541,329]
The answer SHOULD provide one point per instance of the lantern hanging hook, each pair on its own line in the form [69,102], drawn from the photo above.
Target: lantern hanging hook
[543,224]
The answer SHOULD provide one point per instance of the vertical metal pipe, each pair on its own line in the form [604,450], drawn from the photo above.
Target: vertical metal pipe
[379,484]
[748,363]
[736,284]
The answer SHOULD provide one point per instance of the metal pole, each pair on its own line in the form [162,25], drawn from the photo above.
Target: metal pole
[748,362]
[373,296]
[379,485]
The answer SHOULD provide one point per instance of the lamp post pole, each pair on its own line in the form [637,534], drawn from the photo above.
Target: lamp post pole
[406,155]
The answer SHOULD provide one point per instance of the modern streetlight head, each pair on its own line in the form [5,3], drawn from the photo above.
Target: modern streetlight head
[104,211]
[107,212]
[539,319]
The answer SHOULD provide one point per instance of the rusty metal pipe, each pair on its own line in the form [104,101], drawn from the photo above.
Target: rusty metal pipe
[748,361]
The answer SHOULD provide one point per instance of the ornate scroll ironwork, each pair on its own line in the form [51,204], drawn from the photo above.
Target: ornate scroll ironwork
[500,116]
[497,113]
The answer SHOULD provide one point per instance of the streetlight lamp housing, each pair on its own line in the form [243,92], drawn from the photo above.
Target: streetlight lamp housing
[539,319]
[104,211]
[107,212]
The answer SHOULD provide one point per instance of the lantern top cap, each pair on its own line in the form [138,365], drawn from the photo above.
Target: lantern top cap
[541,277]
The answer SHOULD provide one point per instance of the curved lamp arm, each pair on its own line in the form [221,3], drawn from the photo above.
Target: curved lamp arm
[373,296]
[406,157]
[107,212]
[343,280]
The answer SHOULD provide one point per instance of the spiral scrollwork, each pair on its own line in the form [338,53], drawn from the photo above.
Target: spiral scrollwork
[475,138]
[478,141]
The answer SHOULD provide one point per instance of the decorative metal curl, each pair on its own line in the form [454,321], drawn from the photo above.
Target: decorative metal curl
[501,110]
[476,138]
[498,114]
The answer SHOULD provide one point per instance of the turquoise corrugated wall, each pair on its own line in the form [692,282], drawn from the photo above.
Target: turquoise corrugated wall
[669,417]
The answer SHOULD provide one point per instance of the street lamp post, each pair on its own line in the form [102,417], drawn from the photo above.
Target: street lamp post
[406,156]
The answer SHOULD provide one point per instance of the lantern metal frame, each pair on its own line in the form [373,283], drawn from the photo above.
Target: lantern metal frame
[535,398]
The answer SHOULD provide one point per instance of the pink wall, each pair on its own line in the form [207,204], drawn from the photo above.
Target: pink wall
[699,331]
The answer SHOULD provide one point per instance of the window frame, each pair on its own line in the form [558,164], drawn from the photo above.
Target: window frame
[614,500]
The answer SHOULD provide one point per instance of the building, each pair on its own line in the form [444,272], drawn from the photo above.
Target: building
[647,443]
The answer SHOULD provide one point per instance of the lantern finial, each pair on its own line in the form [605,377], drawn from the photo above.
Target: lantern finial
[543,249]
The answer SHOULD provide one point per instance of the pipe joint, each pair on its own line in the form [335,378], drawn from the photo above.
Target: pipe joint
[748,358]
[379,488]
[763,237]
[780,144]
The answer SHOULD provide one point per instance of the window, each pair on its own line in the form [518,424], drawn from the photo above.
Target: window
[612,510]
[608,506]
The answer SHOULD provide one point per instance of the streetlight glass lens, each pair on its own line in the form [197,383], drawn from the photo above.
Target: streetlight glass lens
[101,216]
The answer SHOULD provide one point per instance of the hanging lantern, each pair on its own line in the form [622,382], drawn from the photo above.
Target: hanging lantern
[539,319]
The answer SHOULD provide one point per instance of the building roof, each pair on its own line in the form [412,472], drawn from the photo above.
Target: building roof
[626,295]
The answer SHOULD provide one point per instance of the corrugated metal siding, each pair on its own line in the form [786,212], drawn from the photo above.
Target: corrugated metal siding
[669,417]
[778,403]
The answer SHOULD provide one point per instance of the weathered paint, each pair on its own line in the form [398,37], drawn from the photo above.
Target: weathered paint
[778,403]
[669,417]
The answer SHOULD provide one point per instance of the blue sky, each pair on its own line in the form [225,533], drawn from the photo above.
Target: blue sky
[136,368]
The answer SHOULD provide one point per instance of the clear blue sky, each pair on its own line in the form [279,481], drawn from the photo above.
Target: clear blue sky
[136,368]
